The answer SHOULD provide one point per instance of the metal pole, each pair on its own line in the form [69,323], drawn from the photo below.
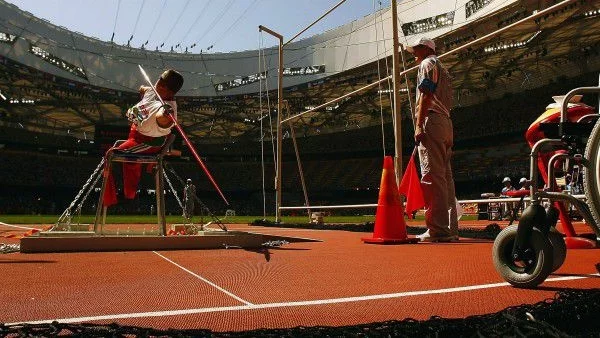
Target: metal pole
[160,198]
[98,221]
[467,45]
[279,126]
[362,89]
[314,22]
[396,113]
[300,170]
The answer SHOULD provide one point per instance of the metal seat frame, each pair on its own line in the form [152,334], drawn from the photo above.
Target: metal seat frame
[116,155]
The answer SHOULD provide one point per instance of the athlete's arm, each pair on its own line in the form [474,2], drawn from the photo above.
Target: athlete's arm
[162,117]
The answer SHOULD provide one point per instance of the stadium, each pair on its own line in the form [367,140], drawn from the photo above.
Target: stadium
[285,146]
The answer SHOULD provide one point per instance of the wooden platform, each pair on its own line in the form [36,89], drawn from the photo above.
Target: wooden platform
[82,241]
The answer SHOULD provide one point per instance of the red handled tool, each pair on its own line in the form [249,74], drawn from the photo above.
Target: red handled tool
[185,138]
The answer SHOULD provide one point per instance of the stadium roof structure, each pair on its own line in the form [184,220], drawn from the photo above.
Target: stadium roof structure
[58,81]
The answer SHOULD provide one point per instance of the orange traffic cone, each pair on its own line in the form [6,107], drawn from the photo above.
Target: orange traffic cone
[389,220]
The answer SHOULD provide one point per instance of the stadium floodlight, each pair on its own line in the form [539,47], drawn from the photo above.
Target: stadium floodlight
[185,138]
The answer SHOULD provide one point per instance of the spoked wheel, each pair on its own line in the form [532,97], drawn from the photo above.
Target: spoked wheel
[559,249]
[591,173]
[533,268]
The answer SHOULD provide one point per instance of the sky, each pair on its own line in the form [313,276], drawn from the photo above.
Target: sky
[226,25]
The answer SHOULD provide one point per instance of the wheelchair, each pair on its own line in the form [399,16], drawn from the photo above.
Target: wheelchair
[566,135]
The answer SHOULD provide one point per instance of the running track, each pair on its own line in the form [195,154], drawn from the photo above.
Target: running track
[340,281]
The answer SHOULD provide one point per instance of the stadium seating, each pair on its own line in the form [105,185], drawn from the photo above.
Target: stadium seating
[45,168]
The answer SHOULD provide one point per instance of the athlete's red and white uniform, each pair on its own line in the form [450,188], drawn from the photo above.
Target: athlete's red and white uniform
[145,137]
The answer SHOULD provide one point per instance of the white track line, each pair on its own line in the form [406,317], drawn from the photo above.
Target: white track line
[16,226]
[288,304]
[205,280]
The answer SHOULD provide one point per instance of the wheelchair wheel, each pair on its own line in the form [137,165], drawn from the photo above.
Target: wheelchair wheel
[591,173]
[530,272]
[559,249]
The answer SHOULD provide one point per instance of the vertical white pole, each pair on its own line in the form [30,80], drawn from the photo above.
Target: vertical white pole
[396,77]
[279,127]
[279,133]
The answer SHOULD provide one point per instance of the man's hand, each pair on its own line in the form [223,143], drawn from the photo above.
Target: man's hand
[419,134]
[420,116]
[167,109]
[142,90]
[163,118]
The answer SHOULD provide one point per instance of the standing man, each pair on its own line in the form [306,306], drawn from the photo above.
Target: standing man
[189,194]
[507,206]
[525,183]
[435,138]
[507,185]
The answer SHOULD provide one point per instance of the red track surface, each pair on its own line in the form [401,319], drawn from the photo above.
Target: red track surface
[340,281]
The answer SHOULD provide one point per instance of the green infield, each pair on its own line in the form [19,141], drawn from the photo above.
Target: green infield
[150,219]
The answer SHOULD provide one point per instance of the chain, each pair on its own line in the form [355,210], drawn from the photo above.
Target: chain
[8,248]
[195,229]
[173,190]
[213,216]
[274,244]
[79,206]
[66,215]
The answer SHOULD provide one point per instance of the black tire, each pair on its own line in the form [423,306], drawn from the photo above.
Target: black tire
[559,249]
[526,275]
[591,173]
